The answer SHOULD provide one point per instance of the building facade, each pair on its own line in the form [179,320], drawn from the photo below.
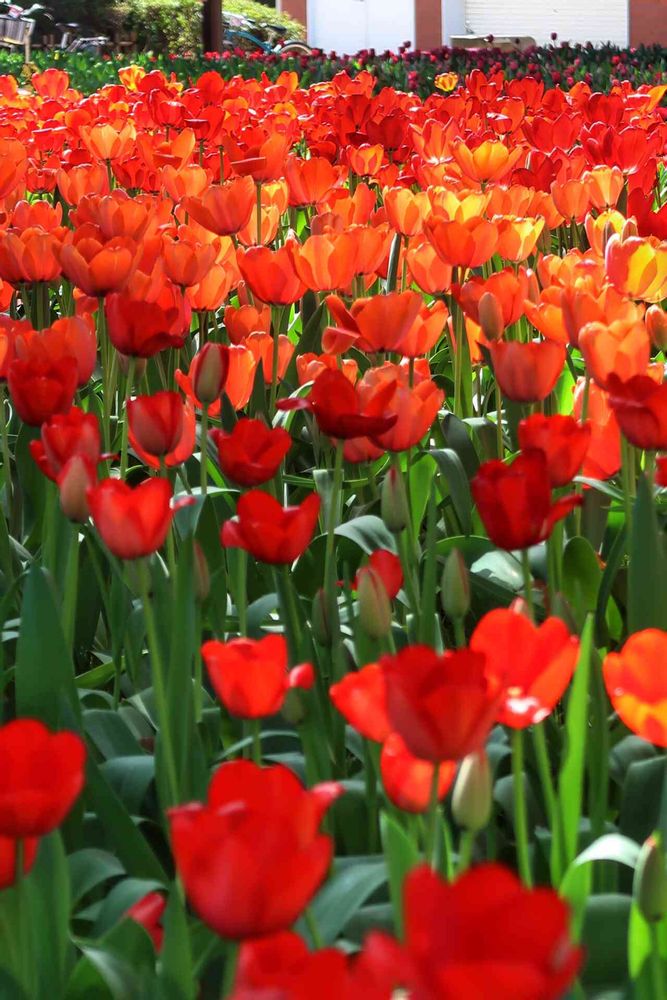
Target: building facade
[346,26]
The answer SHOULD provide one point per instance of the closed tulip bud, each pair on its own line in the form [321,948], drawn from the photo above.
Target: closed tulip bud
[473,793]
[201,574]
[139,365]
[491,316]
[650,882]
[209,372]
[293,710]
[374,604]
[629,229]
[394,501]
[455,587]
[319,622]
[74,480]
[656,324]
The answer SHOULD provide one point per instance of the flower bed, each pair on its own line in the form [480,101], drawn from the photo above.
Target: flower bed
[333,576]
[560,65]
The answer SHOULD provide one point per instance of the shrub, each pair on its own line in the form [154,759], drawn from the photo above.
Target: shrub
[175,25]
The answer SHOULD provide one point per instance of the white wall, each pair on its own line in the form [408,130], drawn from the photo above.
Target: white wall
[574,20]
[345,26]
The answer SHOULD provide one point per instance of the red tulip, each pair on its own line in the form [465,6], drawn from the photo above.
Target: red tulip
[270,275]
[140,329]
[250,677]
[385,566]
[156,422]
[362,698]
[269,532]
[640,407]
[514,501]
[407,780]
[562,440]
[251,454]
[442,705]
[41,778]
[527,373]
[42,388]
[252,858]
[66,435]
[149,911]
[183,447]
[484,928]
[132,521]
[338,408]
[8,851]
[536,663]
[636,684]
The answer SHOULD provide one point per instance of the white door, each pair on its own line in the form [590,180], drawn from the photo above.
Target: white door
[346,26]
[595,21]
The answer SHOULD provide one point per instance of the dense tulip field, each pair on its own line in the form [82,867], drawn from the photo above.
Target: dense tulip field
[332,566]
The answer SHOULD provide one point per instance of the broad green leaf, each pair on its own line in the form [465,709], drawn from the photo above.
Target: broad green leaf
[453,471]
[647,572]
[369,533]
[88,868]
[581,577]
[349,886]
[577,881]
[604,937]
[45,687]
[176,972]
[402,855]
[571,776]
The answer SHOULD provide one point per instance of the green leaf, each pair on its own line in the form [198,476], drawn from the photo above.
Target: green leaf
[368,532]
[48,902]
[647,572]
[577,881]
[581,577]
[402,855]
[116,967]
[176,973]
[45,687]
[89,868]
[604,938]
[453,471]
[350,885]
[640,803]
[571,776]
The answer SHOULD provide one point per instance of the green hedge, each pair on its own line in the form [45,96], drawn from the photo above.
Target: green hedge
[175,25]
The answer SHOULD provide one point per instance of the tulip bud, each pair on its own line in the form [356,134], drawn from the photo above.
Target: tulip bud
[656,324]
[473,793]
[455,587]
[293,710]
[629,229]
[319,620]
[209,372]
[490,316]
[374,604]
[139,365]
[74,479]
[394,501]
[201,574]
[650,882]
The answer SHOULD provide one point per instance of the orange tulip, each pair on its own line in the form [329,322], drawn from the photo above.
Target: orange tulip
[261,346]
[416,407]
[309,366]
[186,260]
[603,458]
[637,685]
[490,161]
[600,228]
[427,269]
[241,321]
[637,267]
[572,199]
[190,181]
[527,373]
[95,266]
[517,237]
[323,263]
[468,244]
[605,184]
[31,256]
[115,215]
[81,180]
[13,165]
[547,314]
[270,275]
[622,348]
[364,160]
[509,288]
[406,210]
[225,208]
[109,143]
[309,181]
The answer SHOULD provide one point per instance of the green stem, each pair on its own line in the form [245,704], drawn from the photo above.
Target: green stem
[259,214]
[657,966]
[126,421]
[159,686]
[313,929]
[527,583]
[432,818]
[466,845]
[276,320]
[459,633]
[544,769]
[229,969]
[626,473]
[289,611]
[256,732]
[203,448]
[241,593]
[520,812]
[500,447]
[71,586]
[332,521]
[6,455]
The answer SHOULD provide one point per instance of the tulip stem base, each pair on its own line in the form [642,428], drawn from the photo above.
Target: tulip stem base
[203,451]
[520,813]
[658,979]
[528,583]
[230,967]
[466,845]
[432,819]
